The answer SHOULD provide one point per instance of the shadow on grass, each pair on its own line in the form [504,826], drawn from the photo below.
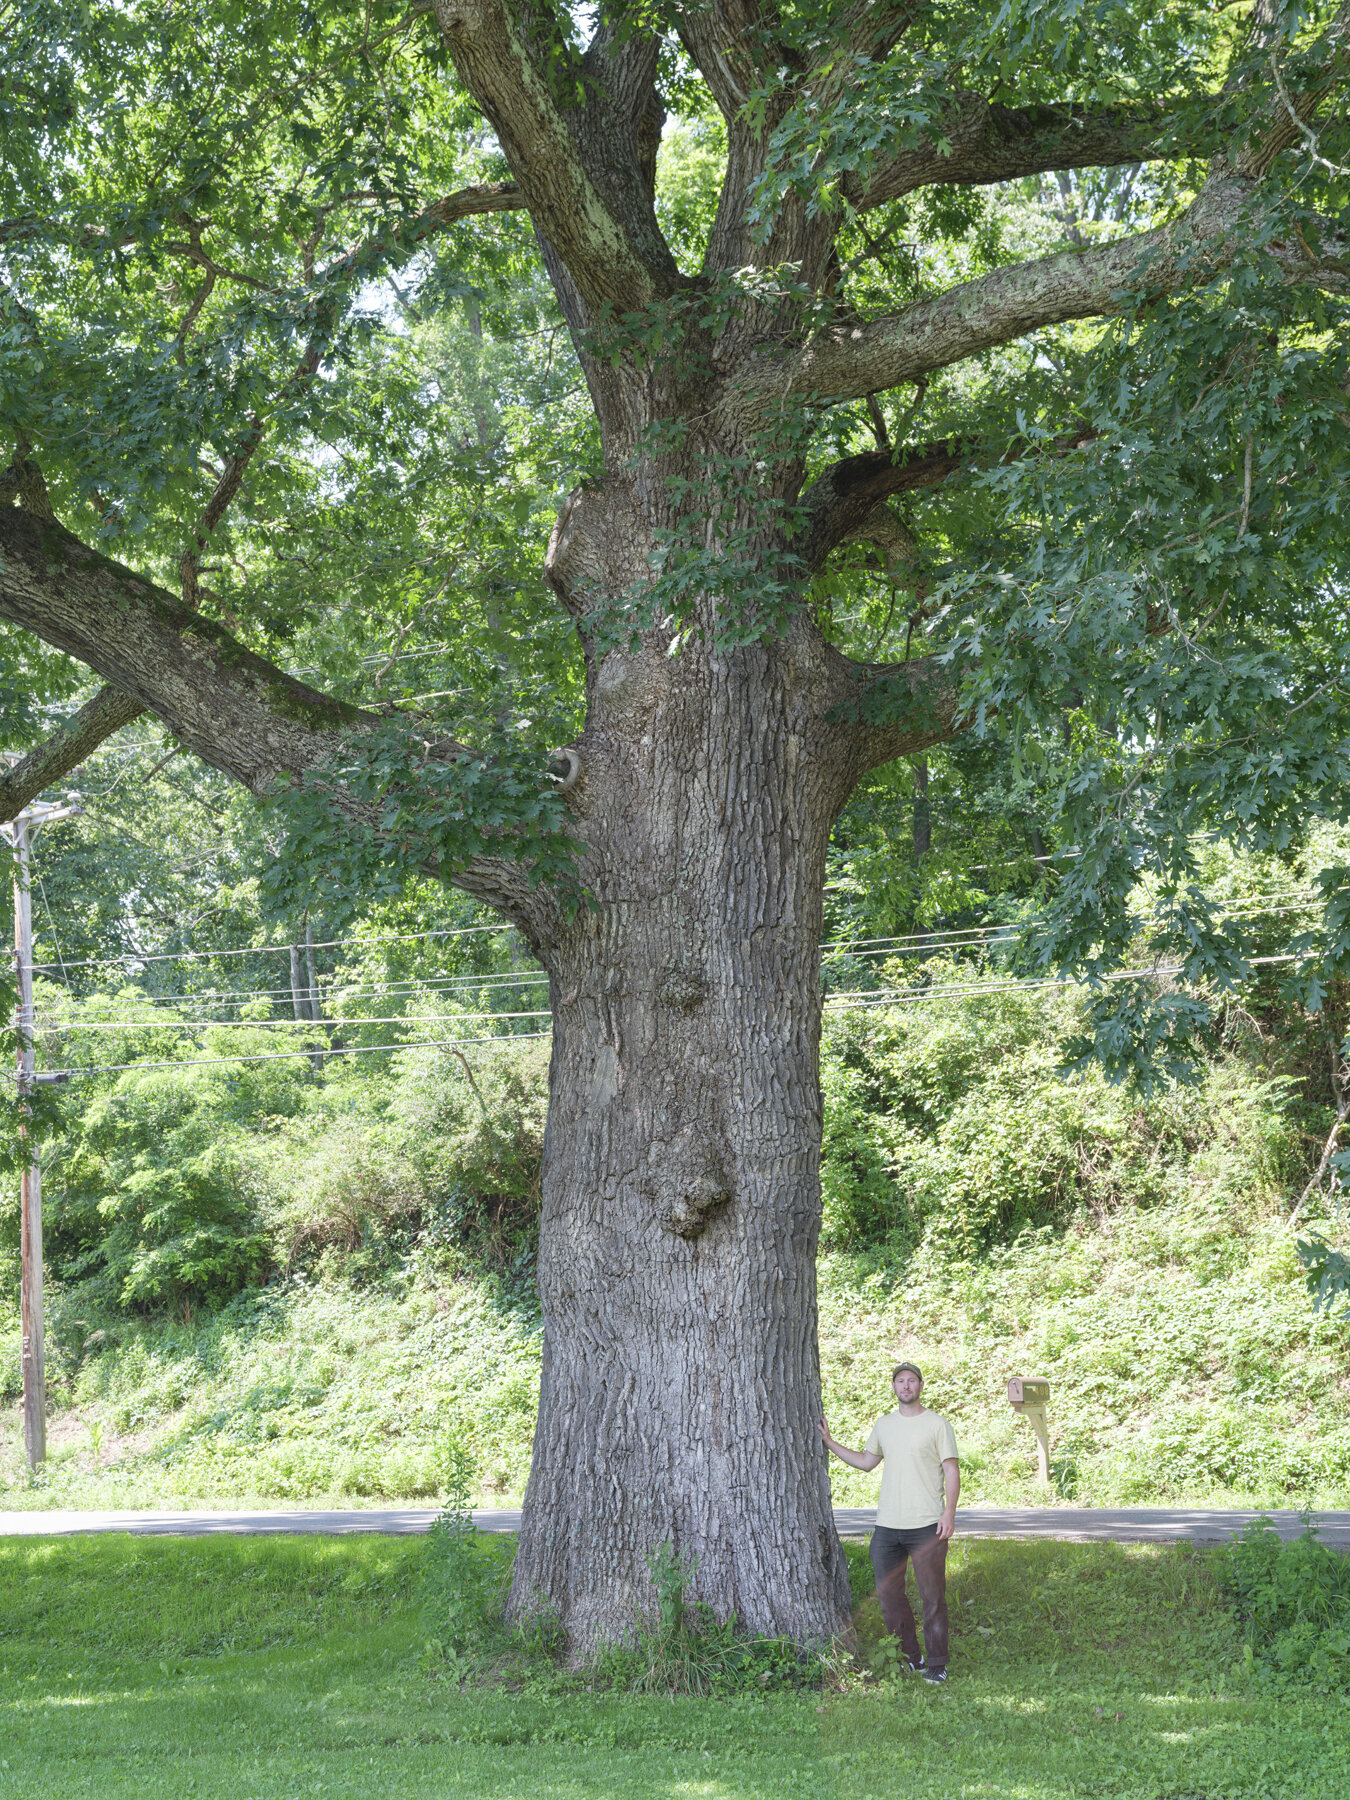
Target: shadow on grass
[275,1669]
[1110,1670]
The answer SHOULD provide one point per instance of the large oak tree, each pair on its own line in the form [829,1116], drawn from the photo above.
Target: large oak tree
[871,472]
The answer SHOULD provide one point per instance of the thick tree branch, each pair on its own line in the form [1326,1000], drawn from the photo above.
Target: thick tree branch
[738,49]
[728,41]
[874,30]
[893,709]
[999,143]
[838,502]
[232,708]
[847,501]
[845,495]
[848,361]
[595,214]
[467,203]
[1284,120]
[886,531]
[23,480]
[67,747]
[470,202]
[108,711]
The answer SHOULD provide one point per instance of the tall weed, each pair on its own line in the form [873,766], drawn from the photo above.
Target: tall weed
[1293,1601]
[464,1575]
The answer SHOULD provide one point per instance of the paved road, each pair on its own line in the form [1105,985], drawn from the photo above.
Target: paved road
[1147,1524]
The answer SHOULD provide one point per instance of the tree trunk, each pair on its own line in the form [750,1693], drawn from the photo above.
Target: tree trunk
[681,1203]
[923,818]
[298,1004]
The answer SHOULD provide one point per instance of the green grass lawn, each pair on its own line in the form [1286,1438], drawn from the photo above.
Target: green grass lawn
[277,1669]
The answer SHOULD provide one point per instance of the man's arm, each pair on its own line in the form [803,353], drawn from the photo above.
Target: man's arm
[951,1478]
[858,1459]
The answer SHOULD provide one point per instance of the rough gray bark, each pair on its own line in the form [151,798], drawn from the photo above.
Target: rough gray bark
[989,143]
[681,1206]
[681,1202]
[232,708]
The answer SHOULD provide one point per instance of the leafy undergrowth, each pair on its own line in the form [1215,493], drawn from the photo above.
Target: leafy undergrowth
[1293,1601]
[231,1669]
[297,1394]
[990,1218]
[1187,1364]
[984,1218]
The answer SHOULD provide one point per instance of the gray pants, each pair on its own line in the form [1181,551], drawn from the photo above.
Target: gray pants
[890,1551]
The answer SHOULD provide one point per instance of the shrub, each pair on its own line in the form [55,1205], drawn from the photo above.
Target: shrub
[349,1198]
[149,1202]
[950,1121]
[471,1124]
[1293,1601]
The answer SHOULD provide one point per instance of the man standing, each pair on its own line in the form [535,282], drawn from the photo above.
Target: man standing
[915,1519]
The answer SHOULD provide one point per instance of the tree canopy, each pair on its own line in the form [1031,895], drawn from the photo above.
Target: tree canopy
[1067,279]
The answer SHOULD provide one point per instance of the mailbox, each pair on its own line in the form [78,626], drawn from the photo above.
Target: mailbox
[1030,1396]
[1023,1391]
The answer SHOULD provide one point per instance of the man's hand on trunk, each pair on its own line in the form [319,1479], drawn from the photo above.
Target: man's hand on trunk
[856,1459]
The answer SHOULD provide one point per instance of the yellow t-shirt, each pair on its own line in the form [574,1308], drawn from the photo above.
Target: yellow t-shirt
[913,1450]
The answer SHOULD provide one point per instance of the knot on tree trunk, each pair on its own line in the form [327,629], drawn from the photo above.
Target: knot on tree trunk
[683,986]
[565,766]
[23,480]
[689,1182]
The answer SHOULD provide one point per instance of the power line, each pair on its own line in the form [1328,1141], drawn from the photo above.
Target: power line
[857,1002]
[203,1062]
[133,956]
[47,908]
[335,992]
[993,937]
[982,933]
[332,996]
[277,1024]
[863,998]
[997,937]
[955,938]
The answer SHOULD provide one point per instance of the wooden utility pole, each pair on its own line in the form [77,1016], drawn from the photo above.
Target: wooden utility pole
[21,831]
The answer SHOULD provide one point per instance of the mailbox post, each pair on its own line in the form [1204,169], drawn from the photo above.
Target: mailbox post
[1030,1397]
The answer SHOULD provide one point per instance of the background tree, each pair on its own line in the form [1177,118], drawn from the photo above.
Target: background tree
[870,461]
